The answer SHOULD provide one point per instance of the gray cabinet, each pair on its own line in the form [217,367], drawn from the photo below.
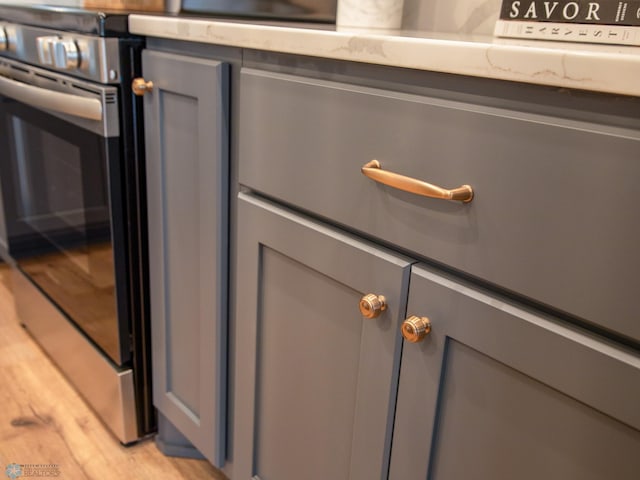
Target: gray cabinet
[315,381]
[187,174]
[498,392]
[495,389]
[531,368]
[525,373]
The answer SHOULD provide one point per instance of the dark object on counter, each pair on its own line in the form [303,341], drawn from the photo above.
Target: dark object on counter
[308,10]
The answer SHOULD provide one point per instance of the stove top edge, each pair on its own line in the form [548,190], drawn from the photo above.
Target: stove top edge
[103,23]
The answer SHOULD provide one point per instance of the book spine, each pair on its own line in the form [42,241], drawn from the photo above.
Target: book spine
[567,32]
[600,12]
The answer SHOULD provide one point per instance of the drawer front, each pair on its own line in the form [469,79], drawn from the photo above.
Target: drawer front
[553,215]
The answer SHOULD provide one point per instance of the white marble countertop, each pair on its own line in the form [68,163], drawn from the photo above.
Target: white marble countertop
[603,68]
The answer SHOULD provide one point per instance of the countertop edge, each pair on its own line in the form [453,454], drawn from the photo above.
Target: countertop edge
[602,68]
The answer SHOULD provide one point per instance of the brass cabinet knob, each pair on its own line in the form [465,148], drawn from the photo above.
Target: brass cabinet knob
[371,305]
[414,329]
[140,86]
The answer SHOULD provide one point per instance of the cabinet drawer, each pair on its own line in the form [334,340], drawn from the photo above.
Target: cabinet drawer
[553,217]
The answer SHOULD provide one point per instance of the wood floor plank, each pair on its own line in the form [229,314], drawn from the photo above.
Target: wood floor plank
[44,421]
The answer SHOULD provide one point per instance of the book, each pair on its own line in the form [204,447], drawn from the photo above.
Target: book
[600,21]
[567,32]
[601,12]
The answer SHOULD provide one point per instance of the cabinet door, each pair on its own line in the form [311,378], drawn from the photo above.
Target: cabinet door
[315,380]
[497,392]
[187,165]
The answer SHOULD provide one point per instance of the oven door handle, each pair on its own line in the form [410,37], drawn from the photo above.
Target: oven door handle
[83,107]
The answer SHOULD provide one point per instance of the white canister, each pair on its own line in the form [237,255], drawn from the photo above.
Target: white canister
[369,13]
[172,6]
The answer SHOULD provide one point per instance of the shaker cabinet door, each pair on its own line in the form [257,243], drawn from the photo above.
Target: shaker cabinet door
[315,380]
[187,165]
[498,392]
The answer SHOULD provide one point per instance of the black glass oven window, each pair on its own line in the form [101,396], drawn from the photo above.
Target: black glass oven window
[60,182]
[51,191]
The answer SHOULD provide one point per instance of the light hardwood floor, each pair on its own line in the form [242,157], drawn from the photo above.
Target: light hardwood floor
[44,421]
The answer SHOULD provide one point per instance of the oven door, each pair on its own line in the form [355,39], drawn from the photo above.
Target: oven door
[62,191]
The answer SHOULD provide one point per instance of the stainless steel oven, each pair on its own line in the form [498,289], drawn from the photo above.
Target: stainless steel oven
[72,177]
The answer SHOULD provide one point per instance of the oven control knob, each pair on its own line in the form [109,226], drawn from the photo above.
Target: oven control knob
[66,55]
[3,38]
[45,49]
[11,37]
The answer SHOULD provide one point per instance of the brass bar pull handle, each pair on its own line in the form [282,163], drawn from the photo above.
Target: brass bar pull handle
[374,171]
